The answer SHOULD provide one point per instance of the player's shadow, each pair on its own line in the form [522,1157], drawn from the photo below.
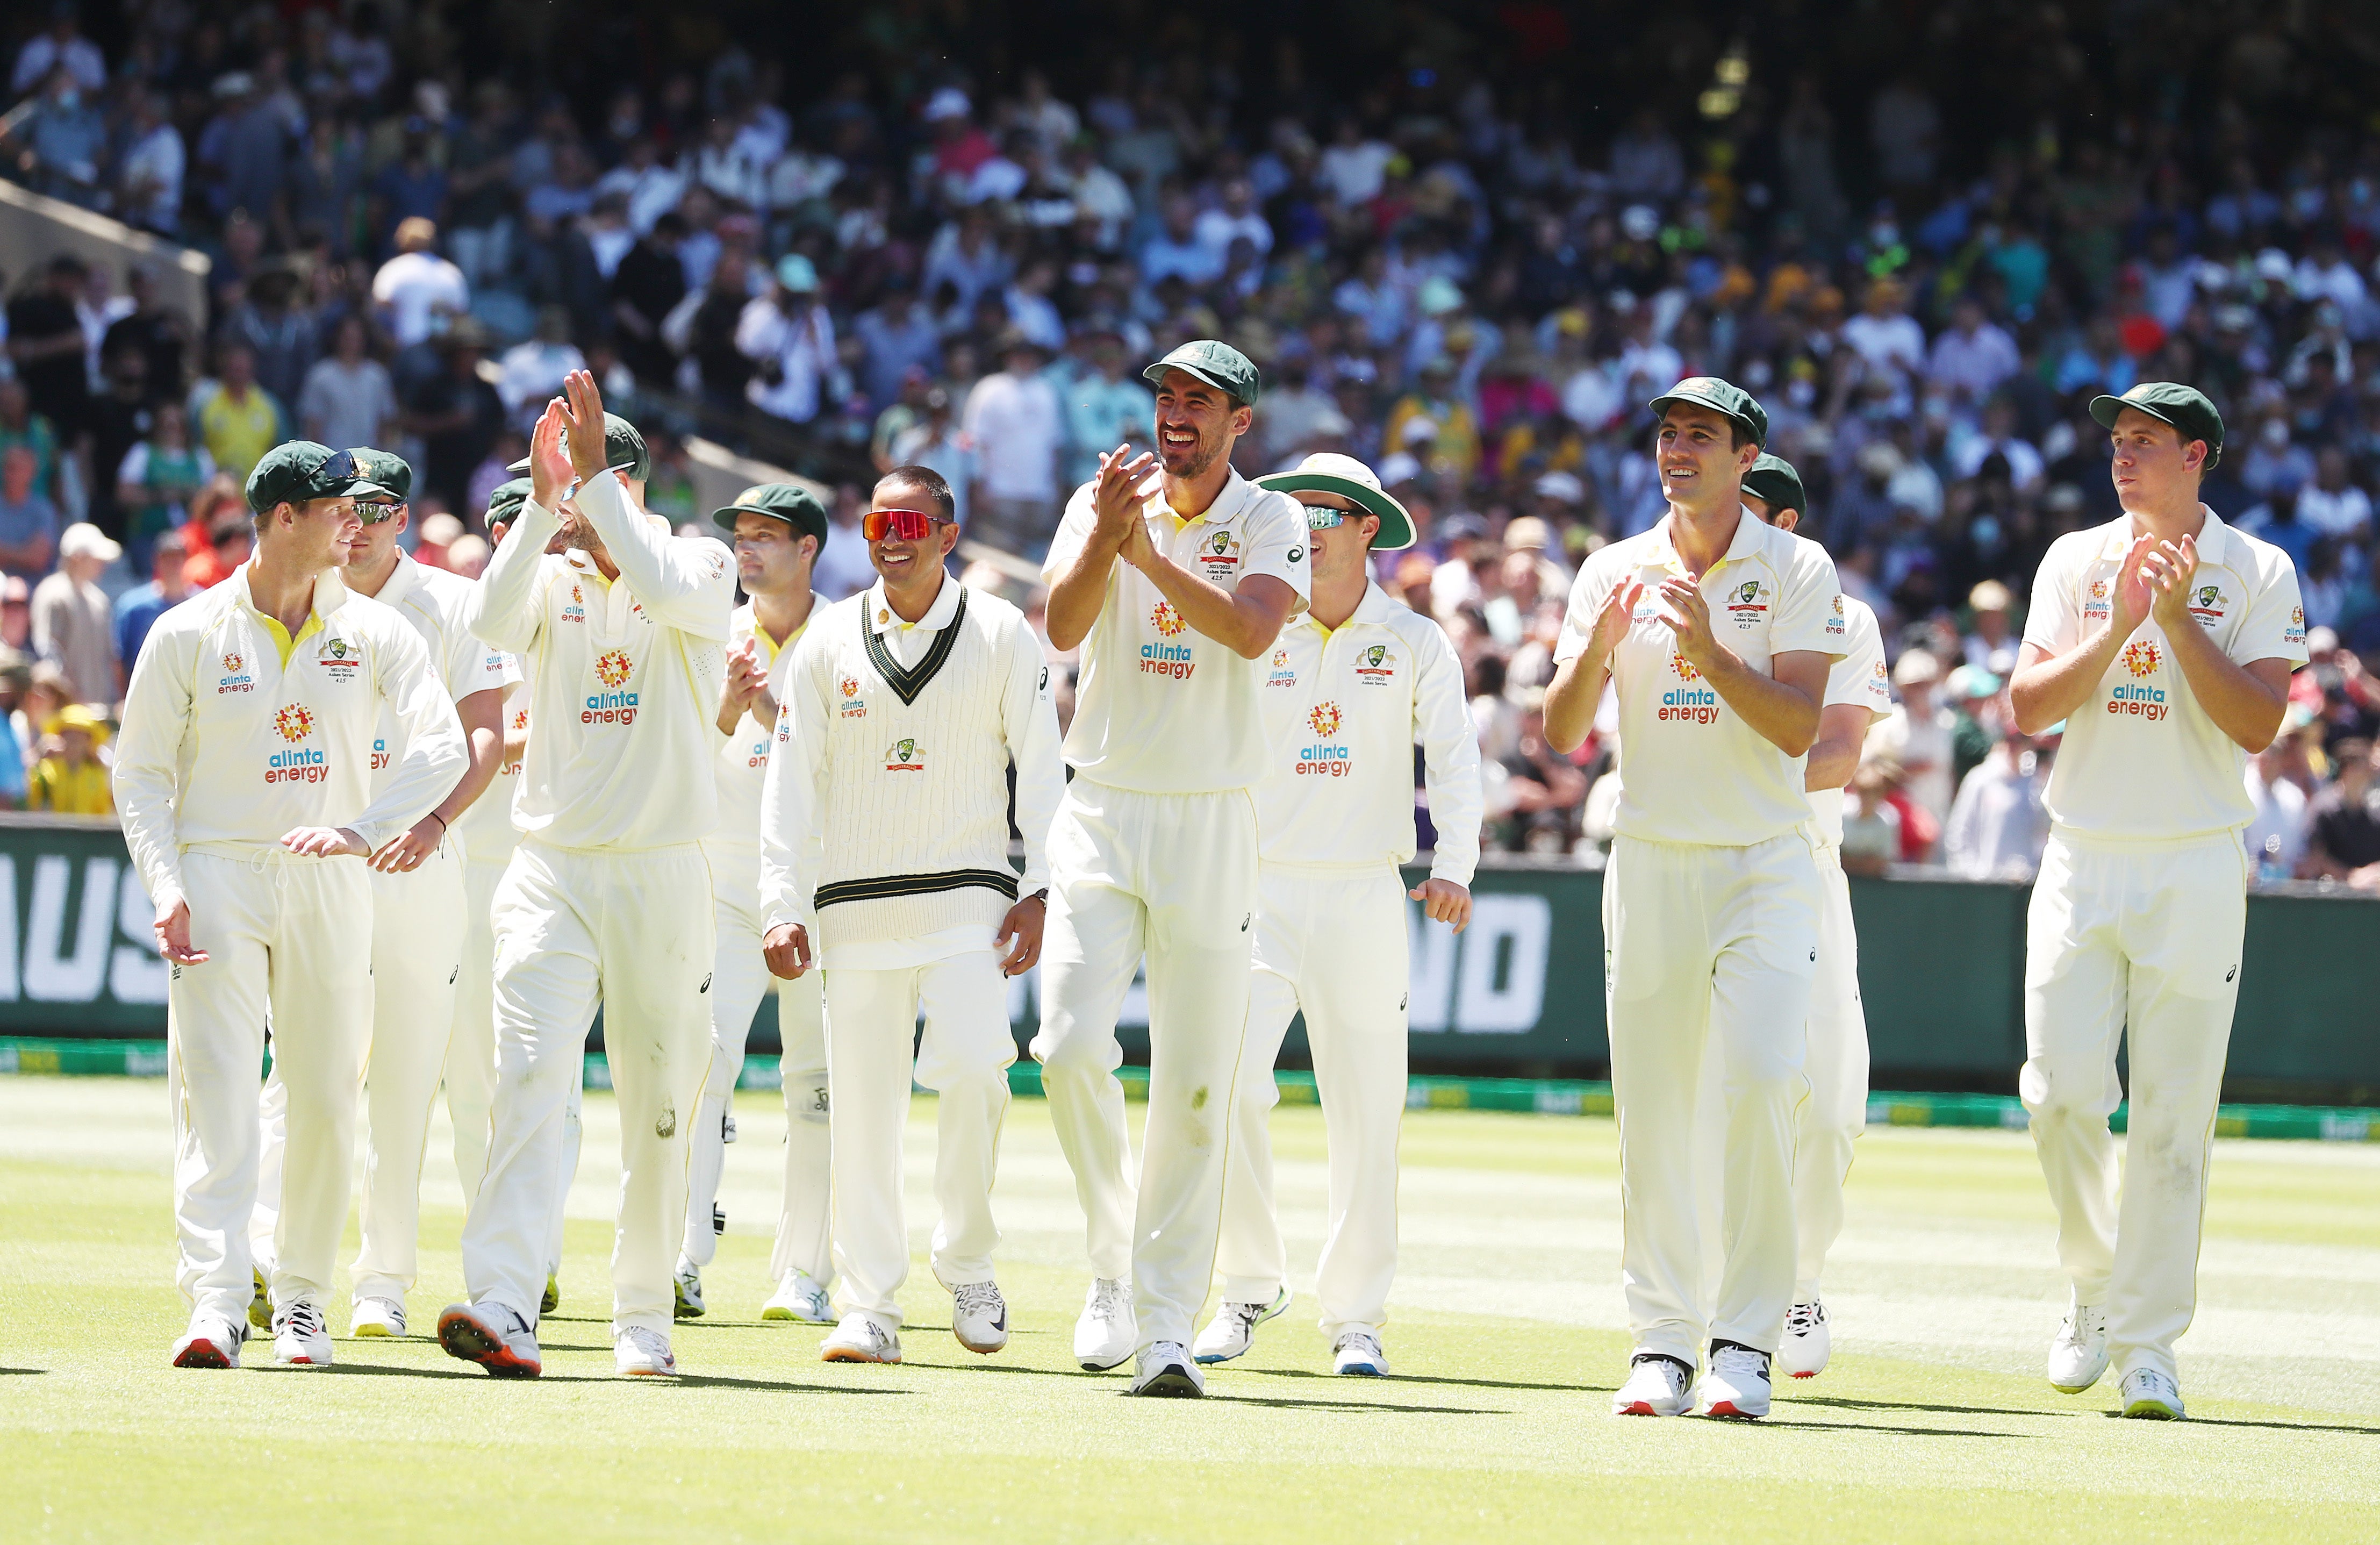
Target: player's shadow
[21,1372]
[1383,1407]
[1015,1368]
[1345,1380]
[1848,1427]
[1845,1403]
[2276,1425]
[773,1386]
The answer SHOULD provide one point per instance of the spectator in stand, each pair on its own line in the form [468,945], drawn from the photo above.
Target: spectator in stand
[531,373]
[17,617]
[74,623]
[1916,733]
[157,478]
[2276,835]
[895,337]
[1972,356]
[1886,339]
[137,609]
[348,399]
[2335,506]
[458,416]
[64,141]
[417,292]
[1978,717]
[70,779]
[156,331]
[46,344]
[1991,646]
[1106,407]
[231,540]
[1017,428]
[237,420]
[29,522]
[2343,824]
[843,567]
[280,335]
[934,440]
[1998,825]
[61,46]
[789,337]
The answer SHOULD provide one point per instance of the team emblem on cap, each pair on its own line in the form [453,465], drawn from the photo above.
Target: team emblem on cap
[294,721]
[2141,657]
[904,756]
[1166,620]
[613,667]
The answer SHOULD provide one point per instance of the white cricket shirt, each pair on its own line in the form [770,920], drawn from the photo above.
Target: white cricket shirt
[1346,707]
[741,760]
[1160,708]
[1859,678]
[489,835]
[623,677]
[434,601]
[2142,762]
[236,733]
[1692,770]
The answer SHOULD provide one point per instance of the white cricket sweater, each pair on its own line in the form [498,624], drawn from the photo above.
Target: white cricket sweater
[885,809]
[624,676]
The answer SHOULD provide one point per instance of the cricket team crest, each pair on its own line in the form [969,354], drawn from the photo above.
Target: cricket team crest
[1745,606]
[340,660]
[1375,666]
[905,756]
[613,667]
[2206,605]
[1219,554]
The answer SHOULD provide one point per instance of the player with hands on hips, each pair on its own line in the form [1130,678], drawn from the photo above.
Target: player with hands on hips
[1713,630]
[620,627]
[245,778]
[2165,640]
[778,530]
[885,817]
[1353,685]
[1175,575]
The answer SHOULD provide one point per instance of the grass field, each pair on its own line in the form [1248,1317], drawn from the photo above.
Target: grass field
[1934,1421]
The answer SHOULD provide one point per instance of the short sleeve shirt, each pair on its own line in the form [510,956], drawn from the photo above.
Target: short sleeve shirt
[2142,762]
[1160,708]
[1692,770]
[1858,678]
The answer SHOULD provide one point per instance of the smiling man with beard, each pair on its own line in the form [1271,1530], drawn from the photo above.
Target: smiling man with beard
[1175,582]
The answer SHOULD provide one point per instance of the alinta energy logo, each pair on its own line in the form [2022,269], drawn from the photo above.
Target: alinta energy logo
[1835,623]
[1688,705]
[1282,676]
[905,756]
[2295,632]
[1328,760]
[2095,600]
[299,764]
[576,609]
[2131,698]
[612,706]
[1174,661]
[235,677]
[853,706]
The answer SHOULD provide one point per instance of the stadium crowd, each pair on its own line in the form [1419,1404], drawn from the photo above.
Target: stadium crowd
[1445,268]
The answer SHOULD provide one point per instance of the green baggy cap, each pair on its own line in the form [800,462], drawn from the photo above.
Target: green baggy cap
[505,501]
[1722,397]
[298,471]
[387,469]
[1772,479]
[2185,407]
[624,449]
[1216,363]
[790,503]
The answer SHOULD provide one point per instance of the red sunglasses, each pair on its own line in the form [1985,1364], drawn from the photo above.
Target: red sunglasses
[900,525]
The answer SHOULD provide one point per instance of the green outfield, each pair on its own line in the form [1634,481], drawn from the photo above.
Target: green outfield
[1934,1422]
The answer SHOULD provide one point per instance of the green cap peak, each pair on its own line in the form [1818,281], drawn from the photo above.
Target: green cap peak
[298,471]
[1773,481]
[1215,362]
[1720,397]
[2186,409]
[790,503]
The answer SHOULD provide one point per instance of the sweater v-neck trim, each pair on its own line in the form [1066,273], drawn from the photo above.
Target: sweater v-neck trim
[908,684]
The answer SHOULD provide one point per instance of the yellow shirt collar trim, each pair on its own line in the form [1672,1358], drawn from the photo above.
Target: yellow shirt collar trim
[281,638]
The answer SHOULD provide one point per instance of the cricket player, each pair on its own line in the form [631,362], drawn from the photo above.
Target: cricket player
[1175,587]
[886,812]
[2165,639]
[622,634]
[1834,1070]
[245,779]
[1354,683]
[417,909]
[777,530]
[1715,631]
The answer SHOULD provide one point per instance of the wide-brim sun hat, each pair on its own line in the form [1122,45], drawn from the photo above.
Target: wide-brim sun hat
[1329,472]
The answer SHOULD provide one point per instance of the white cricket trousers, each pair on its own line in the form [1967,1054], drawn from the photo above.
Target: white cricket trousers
[1173,877]
[471,1050]
[1331,943]
[416,941]
[963,1057]
[1709,951]
[738,983]
[281,937]
[633,930]
[2139,941]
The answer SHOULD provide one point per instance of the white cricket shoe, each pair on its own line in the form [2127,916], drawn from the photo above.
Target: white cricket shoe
[213,1340]
[1105,1333]
[979,1317]
[1358,1352]
[496,1338]
[300,1337]
[1233,1329]
[860,1339]
[1807,1341]
[1167,1370]
[377,1317]
[2079,1356]
[641,1352]
[688,1281]
[1737,1383]
[800,1296]
[1656,1387]
[2147,1393]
